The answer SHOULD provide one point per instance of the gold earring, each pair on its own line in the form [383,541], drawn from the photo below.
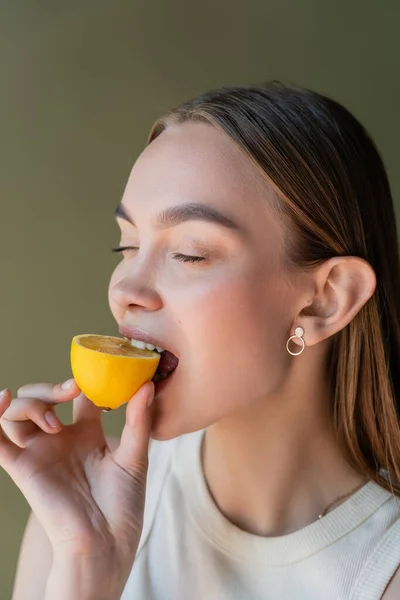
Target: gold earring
[298,333]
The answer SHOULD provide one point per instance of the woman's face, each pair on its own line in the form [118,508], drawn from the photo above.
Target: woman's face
[228,315]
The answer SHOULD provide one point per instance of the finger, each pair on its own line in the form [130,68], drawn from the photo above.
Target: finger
[132,452]
[83,409]
[50,392]
[8,451]
[28,409]
[25,417]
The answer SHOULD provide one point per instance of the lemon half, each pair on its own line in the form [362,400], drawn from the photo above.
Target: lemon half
[109,370]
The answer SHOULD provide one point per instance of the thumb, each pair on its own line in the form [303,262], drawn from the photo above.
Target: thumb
[132,452]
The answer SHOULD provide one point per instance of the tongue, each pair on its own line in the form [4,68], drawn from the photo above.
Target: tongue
[168,362]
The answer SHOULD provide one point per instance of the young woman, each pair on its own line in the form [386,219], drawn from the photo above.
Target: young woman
[259,247]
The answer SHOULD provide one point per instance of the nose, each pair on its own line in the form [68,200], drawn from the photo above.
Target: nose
[128,293]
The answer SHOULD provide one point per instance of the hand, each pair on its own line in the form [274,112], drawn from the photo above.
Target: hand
[88,499]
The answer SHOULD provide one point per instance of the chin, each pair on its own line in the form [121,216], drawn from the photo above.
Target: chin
[167,427]
[162,429]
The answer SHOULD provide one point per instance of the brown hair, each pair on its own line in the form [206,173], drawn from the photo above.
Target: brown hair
[332,186]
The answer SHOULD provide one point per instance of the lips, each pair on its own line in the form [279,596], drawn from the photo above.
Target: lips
[139,334]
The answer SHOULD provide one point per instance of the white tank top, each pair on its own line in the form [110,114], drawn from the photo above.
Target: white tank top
[190,551]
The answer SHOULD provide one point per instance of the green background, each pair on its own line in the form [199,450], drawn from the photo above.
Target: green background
[81,83]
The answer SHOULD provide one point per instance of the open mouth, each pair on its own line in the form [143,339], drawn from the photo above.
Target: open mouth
[166,366]
[140,339]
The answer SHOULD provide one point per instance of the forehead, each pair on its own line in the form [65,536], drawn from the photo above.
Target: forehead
[196,162]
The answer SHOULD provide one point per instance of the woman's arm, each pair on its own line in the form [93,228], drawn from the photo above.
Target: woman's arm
[36,556]
[34,563]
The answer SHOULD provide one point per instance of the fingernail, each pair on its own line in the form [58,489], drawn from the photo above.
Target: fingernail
[67,384]
[2,393]
[51,419]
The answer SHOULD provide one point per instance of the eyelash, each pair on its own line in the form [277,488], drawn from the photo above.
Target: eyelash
[178,256]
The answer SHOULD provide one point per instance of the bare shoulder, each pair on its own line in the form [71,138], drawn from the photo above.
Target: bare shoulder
[392,591]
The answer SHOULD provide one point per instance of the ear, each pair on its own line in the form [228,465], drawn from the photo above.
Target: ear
[342,285]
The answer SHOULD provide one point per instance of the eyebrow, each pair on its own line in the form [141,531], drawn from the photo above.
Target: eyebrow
[193,211]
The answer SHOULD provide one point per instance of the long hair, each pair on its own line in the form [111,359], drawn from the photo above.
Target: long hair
[333,191]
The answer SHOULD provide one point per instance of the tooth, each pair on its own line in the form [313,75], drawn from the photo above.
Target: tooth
[138,344]
[142,345]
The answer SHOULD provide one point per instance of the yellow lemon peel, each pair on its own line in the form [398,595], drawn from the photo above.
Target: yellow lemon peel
[109,370]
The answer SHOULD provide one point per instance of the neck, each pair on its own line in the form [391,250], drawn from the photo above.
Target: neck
[274,468]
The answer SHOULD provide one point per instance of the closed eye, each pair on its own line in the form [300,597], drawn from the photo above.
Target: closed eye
[187,258]
[177,255]
[123,248]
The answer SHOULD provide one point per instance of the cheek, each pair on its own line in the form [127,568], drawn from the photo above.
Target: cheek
[237,337]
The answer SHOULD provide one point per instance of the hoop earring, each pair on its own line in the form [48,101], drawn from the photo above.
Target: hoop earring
[298,333]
